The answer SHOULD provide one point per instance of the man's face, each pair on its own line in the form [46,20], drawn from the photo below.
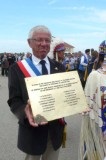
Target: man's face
[61,55]
[40,44]
[88,53]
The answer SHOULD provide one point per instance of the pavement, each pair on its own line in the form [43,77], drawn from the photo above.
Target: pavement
[9,130]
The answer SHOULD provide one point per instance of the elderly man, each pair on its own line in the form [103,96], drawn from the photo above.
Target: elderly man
[40,141]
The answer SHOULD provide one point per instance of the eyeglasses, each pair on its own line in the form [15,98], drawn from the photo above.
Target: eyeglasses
[41,40]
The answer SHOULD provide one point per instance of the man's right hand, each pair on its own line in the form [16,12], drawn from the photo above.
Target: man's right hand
[29,115]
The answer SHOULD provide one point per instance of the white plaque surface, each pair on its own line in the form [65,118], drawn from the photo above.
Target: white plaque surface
[56,95]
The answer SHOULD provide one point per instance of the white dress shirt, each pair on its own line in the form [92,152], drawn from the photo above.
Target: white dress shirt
[36,61]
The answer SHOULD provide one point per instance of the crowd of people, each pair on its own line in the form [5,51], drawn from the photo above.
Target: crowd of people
[72,61]
[7,59]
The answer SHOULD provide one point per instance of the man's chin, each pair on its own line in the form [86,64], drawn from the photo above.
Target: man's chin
[43,55]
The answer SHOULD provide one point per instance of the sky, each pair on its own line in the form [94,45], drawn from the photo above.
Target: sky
[80,23]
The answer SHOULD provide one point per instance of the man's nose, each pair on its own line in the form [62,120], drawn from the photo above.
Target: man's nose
[44,42]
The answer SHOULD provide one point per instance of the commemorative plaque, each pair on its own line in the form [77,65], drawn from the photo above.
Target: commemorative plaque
[56,95]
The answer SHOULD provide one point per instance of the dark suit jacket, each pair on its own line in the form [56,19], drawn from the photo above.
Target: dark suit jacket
[32,140]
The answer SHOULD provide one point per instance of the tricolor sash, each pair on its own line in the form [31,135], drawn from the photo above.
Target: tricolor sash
[28,68]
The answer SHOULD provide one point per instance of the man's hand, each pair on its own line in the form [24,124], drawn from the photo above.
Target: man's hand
[29,115]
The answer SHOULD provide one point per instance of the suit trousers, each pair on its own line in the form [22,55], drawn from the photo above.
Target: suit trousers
[49,154]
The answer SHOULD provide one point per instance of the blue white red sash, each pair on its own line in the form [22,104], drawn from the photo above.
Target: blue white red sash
[28,68]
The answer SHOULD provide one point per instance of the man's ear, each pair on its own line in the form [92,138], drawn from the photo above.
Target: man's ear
[28,40]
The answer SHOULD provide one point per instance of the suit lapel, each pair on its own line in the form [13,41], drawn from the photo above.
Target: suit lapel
[54,68]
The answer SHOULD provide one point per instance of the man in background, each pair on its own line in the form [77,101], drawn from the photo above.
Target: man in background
[82,66]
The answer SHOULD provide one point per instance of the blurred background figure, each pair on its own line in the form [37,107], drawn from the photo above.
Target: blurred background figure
[102,47]
[11,59]
[4,65]
[94,58]
[93,135]
[27,55]
[57,52]
[57,49]
[85,58]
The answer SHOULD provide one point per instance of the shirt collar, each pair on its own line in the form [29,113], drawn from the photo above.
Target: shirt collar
[37,60]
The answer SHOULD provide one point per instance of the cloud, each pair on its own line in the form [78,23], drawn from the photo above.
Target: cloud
[52,2]
[74,8]
[101,15]
[90,13]
[80,26]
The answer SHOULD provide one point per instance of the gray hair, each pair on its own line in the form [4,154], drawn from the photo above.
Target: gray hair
[37,29]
